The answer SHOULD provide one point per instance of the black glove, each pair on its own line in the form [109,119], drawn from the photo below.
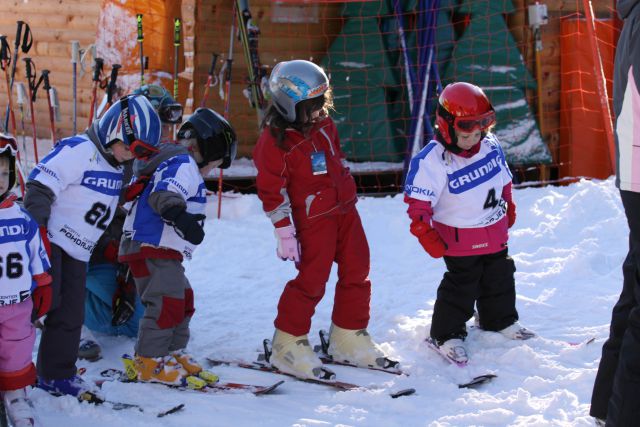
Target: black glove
[187,225]
[124,299]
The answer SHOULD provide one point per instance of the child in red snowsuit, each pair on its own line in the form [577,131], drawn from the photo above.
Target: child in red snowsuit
[310,197]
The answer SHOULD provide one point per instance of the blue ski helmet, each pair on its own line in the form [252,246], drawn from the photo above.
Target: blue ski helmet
[134,121]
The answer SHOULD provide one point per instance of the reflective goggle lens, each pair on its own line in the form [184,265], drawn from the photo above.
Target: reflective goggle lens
[171,113]
[469,124]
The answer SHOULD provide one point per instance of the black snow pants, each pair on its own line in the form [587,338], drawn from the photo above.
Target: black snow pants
[616,392]
[58,350]
[483,280]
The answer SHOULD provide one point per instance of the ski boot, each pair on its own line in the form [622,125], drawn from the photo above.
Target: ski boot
[18,408]
[165,370]
[72,386]
[517,332]
[192,367]
[454,350]
[89,349]
[295,356]
[356,346]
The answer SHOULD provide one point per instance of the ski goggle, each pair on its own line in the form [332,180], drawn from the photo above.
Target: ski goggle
[171,113]
[140,149]
[8,142]
[471,123]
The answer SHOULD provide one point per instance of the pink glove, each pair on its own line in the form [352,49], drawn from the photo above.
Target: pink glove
[288,247]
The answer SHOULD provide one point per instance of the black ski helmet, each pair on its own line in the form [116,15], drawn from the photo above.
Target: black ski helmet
[216,138]
[9,149]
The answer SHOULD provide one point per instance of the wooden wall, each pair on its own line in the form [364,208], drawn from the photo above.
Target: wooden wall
[207,23]
[54,23]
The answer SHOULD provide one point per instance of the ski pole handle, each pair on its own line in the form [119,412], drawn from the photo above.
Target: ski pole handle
[75,51]
[21,94]
[212,67]
[5,52]
[139,21]
[97,69]
[177,29]
[45,78]
[27,38]
[227,76]
[20,24]
[55,102]
[112,82]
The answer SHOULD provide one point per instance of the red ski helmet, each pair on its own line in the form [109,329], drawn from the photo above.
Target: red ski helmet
[464,107]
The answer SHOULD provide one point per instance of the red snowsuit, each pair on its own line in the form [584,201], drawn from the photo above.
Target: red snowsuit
[327,224]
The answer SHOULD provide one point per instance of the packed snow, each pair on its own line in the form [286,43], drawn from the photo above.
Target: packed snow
[568,244]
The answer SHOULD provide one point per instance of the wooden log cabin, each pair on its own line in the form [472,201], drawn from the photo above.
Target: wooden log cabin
[288,30]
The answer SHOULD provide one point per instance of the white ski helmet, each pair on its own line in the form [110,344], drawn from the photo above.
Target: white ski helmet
[294,81]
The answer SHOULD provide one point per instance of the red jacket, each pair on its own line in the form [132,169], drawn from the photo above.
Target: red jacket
[286,181]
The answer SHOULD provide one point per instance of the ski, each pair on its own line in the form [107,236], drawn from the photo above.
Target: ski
[264,366]
[249,33]
[94,399]
[583,343]
[258,390]
[322,350]
[475,381]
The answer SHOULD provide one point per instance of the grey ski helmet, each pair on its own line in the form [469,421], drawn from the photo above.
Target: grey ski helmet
[215,137]
[294,81]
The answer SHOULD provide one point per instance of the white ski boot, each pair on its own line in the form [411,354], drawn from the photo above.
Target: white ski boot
[354,346]
[295,356]
[455,351]
[517,332]
[18,407]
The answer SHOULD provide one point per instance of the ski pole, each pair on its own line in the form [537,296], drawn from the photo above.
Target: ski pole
[75,57]
[111,89]
[5,60]
[97,70]
[21,98]
[22,42]
[210,82]
[227,94]
[140,41]
[44,80]
[177,28]
[31,84]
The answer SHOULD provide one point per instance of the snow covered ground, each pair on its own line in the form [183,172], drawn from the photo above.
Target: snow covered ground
[568,244]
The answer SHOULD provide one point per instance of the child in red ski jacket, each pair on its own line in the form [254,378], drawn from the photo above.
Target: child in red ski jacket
[310,197]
